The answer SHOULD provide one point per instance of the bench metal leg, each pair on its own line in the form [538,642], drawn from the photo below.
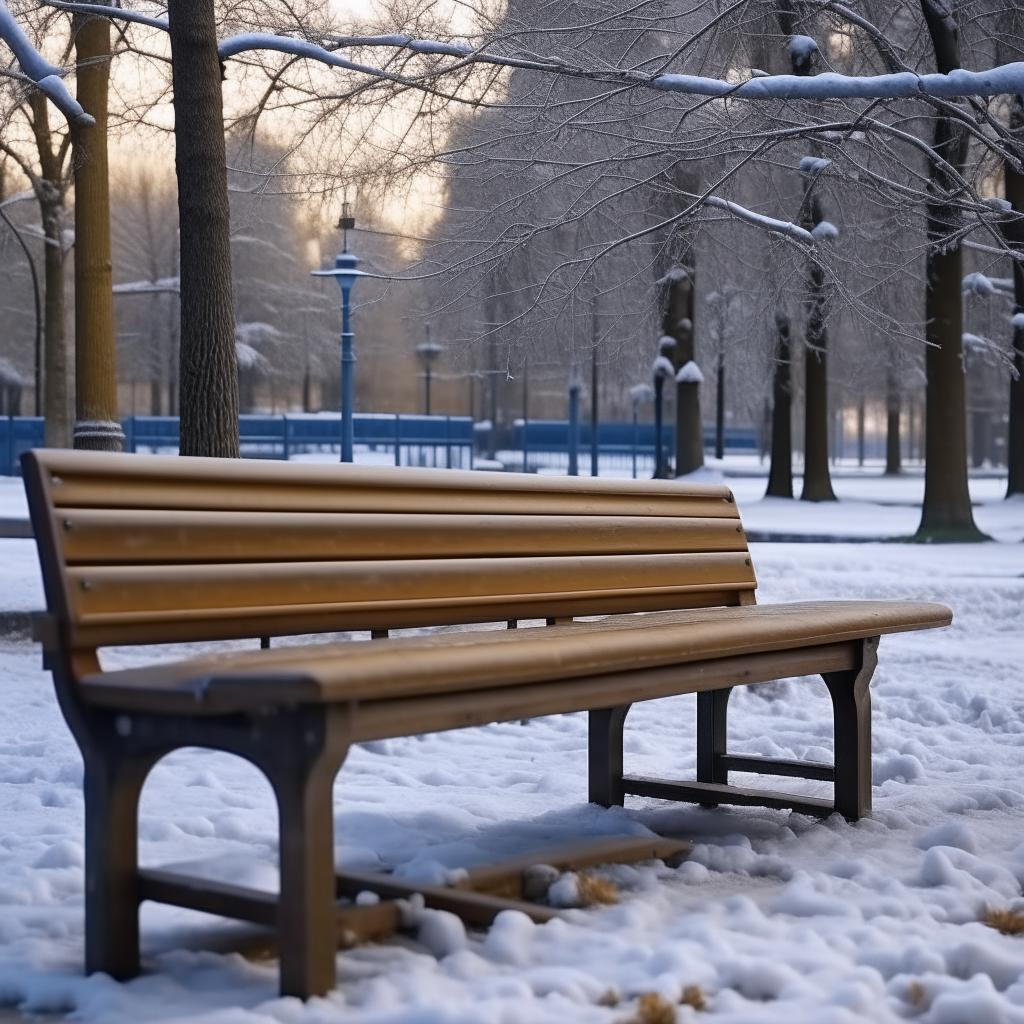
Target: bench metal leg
[851,703]
[312,746]
[113,785]
[851,772]
[712,721]
[605,727]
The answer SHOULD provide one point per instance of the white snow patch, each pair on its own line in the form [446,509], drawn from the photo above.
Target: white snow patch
[979,284]
[813,164]
[689,373]
[801,46]
[824,231]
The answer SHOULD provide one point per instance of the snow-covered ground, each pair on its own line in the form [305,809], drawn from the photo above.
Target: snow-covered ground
[778,918]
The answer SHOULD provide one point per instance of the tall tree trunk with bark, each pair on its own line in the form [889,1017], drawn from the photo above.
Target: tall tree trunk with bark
[56,397]
[208,386]
[49,187]
[893,454]
[678,322]
[780,472]
[946,514]
[97,425]
[817,479]
[1014,231]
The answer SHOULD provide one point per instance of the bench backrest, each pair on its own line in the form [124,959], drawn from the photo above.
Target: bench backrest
[140,549]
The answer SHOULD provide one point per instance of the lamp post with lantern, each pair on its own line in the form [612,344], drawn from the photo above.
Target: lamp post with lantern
[428,351]
[346,271]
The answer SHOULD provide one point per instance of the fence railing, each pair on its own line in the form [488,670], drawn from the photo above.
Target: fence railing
[396,439]
[544,444]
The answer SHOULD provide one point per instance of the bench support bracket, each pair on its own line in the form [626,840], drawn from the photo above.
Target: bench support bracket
[851,773]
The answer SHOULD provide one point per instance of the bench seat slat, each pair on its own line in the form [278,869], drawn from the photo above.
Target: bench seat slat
[457,662]
[138,537]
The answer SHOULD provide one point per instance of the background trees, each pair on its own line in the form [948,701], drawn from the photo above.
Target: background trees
[579,163]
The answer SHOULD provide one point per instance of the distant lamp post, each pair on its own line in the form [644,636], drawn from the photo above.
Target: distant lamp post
[346,272]
[641,394]
[428,351]
[661,371]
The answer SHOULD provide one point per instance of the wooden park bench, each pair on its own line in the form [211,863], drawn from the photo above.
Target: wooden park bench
[154,550]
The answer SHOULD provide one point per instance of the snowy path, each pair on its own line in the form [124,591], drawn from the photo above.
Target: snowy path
[778,918]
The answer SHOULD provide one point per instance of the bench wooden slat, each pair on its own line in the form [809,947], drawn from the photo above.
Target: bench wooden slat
[354,586]
[453,662]
[133,536]
[158,482]
[186,626]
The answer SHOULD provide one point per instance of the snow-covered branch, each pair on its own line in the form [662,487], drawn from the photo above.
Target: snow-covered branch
[45,76]
[1005,79]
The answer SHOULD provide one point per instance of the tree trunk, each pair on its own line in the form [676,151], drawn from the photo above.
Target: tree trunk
[780,473]
[1014,231]
[946,514]
[893,455]
[56,399]
[678,322]
[861,431]
[817,480]
[97,425]
[208,383]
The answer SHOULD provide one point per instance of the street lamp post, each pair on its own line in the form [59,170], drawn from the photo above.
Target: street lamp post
[639,393]
[428,351]
[346,272]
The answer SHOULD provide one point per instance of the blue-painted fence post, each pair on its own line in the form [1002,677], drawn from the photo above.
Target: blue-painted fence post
[284,437]
[398,438]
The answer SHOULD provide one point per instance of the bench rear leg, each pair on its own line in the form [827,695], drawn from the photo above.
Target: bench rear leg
[605,726]
[851,704]
[302,775]
[113,785]
[712,722]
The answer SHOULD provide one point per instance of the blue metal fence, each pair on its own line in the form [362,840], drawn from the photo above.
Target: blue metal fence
[546,442]
[402,440]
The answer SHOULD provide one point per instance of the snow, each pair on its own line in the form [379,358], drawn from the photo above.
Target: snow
[689,373]
[46,77]
[776,917]
[998,203]
[1017,321]
[662,367]
[824,231]
[979,284]
[666,344]
[674,276]
[801,46]
[782,227]
[145,287]
[813,164]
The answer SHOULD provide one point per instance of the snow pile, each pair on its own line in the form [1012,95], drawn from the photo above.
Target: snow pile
[662,367]
[801,46]
[979,284]
[689,373]
[813,164]
[825,231]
